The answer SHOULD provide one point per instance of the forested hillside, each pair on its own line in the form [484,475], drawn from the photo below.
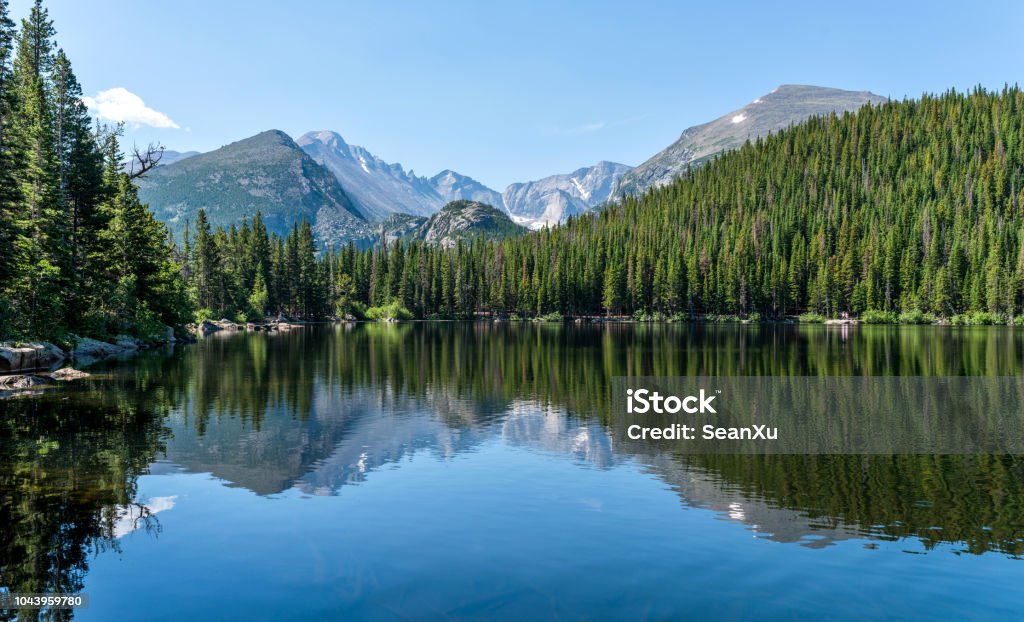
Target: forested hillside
[912,205]
[78,251]
[907,206]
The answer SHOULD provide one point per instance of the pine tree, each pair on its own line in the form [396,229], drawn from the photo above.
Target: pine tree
[12,222]
[80,174]
[259,298]
[207,266]
[37,295]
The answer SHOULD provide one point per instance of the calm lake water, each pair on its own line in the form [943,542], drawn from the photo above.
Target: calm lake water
[458,470]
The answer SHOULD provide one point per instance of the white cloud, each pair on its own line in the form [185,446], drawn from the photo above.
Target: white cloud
[120,104]
[128,518]
[597,126]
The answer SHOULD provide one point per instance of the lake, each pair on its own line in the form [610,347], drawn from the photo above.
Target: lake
[472,470]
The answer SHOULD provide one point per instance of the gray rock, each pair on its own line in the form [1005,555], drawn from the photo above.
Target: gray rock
[266,173]
[90,350]
[29,356]
[456,220]
[22,381]
[68,373]
[204,328]
[126,343]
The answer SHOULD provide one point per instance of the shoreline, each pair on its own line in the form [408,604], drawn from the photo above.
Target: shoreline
[40,358]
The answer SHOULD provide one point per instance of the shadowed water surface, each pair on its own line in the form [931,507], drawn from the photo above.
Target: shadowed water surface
[452,470]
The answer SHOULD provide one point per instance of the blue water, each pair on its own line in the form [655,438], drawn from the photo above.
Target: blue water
[441,472]
[507,532]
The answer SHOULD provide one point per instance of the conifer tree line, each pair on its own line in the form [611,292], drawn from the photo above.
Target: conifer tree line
[245,273]
[907,206]
[78,252]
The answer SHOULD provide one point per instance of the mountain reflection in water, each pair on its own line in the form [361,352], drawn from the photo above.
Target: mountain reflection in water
[324,408]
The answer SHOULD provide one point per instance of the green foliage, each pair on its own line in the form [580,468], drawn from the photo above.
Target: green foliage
[657,316]
[203,314]
[874,316]
[259,298]
[80,253]
[977,318]
[389,312]
[811,318]
[916,316]
[722,318]
[248,270]
[357,310]
[550,317]
[147,325]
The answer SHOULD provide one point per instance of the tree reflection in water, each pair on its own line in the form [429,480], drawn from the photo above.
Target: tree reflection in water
[323,407]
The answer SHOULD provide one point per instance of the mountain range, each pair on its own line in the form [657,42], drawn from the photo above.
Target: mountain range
[549,201]
[380,189]
[346,190]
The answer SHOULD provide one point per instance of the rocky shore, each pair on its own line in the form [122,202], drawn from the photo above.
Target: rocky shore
[208,327]
[24,365]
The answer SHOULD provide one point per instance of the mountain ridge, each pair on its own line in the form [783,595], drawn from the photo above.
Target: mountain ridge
[550,200]
[266,173]
[377,188]
[784,106]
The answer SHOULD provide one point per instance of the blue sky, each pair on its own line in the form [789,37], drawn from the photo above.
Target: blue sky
[506,91]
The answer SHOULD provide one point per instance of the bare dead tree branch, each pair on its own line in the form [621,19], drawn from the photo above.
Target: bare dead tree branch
[144,160]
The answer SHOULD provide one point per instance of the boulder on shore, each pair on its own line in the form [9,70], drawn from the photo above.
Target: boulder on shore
[68,373]
[203,328]
[21,381]
[126,343]
[29,356]
[89,350]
